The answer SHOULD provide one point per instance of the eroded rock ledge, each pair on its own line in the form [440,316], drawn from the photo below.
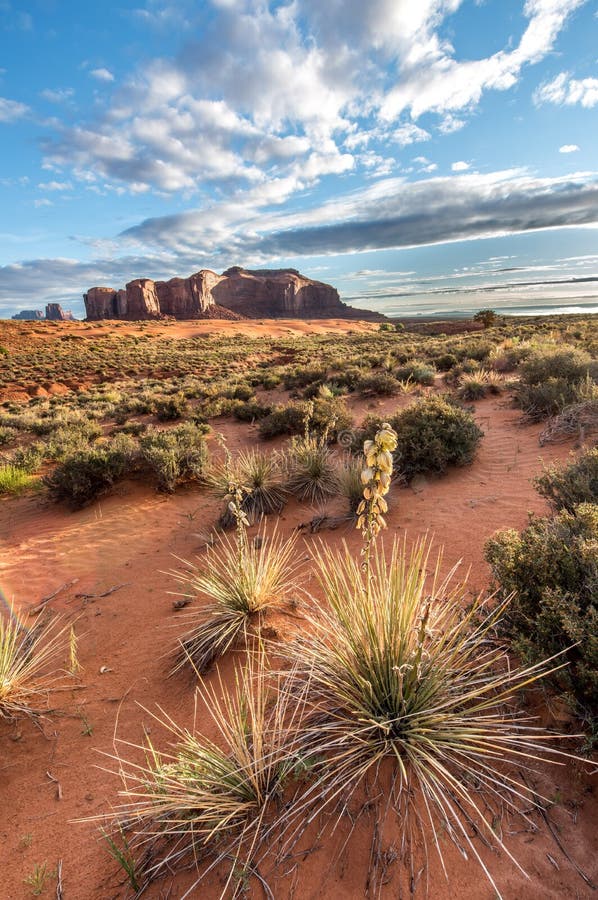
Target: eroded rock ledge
[237,293]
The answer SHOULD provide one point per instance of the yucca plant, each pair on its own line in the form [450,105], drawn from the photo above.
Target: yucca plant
[312,473]
[28,665]
[262,479]
[399,671]
[206,802]
[242,580]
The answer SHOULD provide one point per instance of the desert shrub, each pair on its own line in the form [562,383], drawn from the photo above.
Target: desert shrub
[551,397]
[175,455]
[171,408]
[287,419]
[565,487]
[479,350]
[508,355]
[551,568]
[578,420]
[14,480]
[415,370]
[250,410]
[325,416]
[69,439]
[88,474]
[7,435]
[566,364]
[381,384]
[349,376]
[445,361]
[433,435]
[29,458]
[301,378]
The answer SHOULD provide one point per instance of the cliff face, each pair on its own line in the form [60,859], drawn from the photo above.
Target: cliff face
[237,293]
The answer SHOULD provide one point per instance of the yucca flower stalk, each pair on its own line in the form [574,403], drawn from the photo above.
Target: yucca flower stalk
[410,694]
[376,477]
[29,666]
[205,802]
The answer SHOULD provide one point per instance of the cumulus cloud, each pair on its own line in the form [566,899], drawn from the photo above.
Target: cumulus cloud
[10,110]
[568,148]
[567,91]
[262,88]
[460,166]
[102,74]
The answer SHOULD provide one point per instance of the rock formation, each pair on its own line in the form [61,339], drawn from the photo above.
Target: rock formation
[55,313]
[237,293]
[29,315]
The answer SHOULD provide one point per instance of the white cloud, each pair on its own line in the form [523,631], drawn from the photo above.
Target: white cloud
[460,166]
[10,110]
[57,95]
[410,134]
[568,148]
[102,74]
[43,202]
[55,186]
[566,91]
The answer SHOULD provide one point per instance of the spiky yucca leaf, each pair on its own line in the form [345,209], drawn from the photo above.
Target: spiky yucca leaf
[242,583]
[204,801]
[28,665]
[402,674]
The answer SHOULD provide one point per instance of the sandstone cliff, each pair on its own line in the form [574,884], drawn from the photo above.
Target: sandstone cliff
[237,293]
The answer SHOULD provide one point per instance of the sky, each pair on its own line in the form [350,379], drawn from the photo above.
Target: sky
[438,156]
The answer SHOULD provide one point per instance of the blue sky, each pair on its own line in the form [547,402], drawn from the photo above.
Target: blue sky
[439,155]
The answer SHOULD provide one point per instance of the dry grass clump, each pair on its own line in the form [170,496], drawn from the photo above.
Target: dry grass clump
[28,665]
[204,803]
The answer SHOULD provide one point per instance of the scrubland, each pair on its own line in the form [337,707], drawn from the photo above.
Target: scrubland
[299,610]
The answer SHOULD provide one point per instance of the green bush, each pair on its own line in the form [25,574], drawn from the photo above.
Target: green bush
[88,474]
[565,487]
[322,415]
[417,371]
[381,384]
[7,435]
[566,363]
[551,397]
[171,408]
[176,455]
[434,434]
[551,568]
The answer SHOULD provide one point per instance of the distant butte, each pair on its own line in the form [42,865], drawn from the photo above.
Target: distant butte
[236,294]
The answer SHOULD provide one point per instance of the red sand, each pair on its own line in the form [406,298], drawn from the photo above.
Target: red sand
[132,538]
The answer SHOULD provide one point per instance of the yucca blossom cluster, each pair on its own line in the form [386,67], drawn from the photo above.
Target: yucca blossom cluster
[376,478]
